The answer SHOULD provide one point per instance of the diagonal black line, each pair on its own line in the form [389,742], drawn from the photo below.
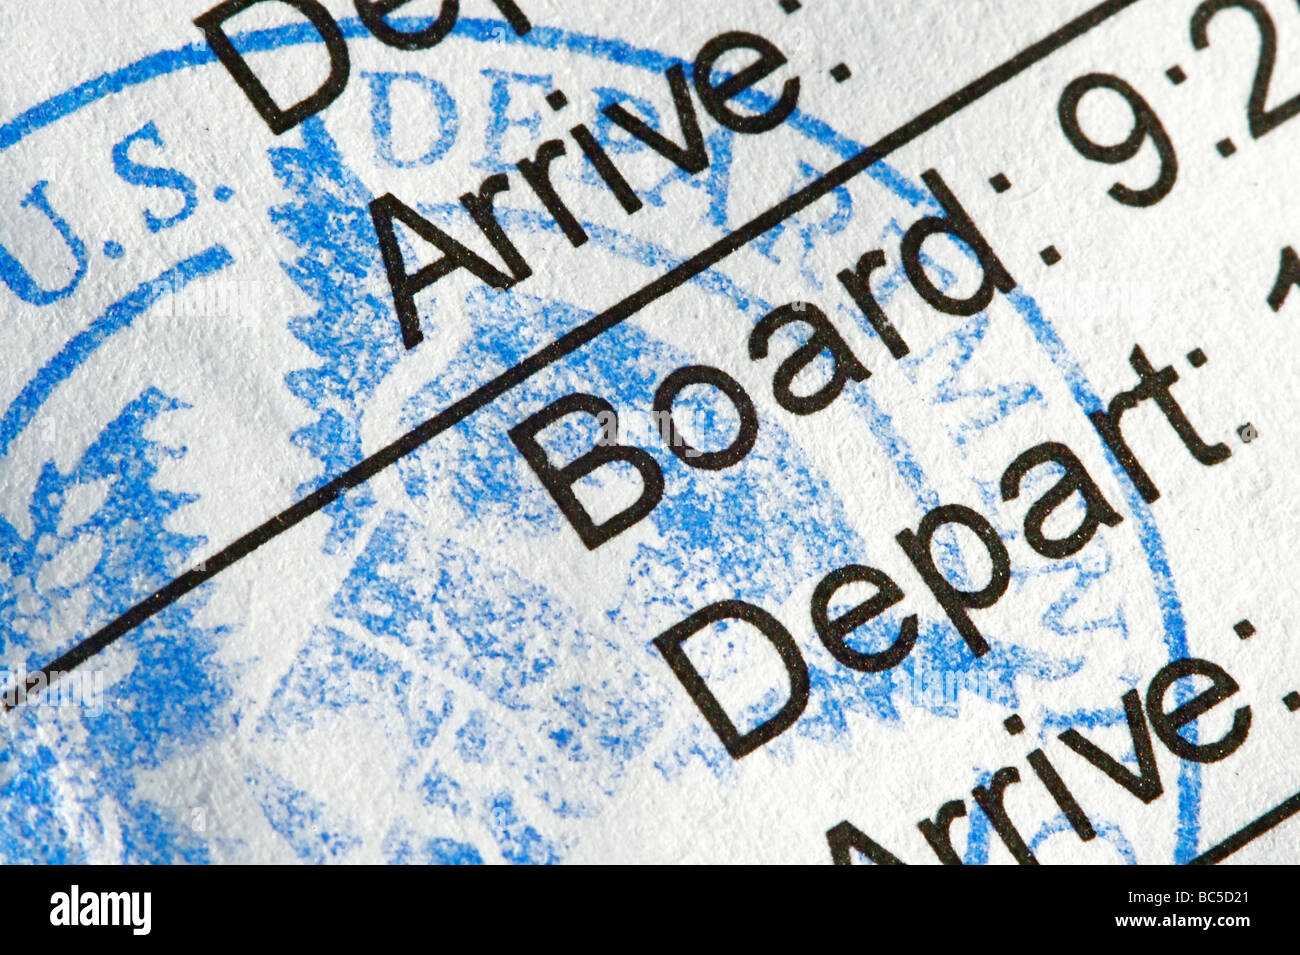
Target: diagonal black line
[568,343]
[1249,833]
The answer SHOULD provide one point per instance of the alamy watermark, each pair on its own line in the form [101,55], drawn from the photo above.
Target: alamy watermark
[216,299]
[657,424]
[78,688]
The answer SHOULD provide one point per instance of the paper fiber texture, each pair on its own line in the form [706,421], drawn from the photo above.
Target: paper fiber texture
[666,432]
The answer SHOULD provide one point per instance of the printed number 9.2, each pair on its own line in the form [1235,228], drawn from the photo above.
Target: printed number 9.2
[1146,125]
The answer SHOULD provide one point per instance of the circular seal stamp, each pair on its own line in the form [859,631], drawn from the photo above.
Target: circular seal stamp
[433,667]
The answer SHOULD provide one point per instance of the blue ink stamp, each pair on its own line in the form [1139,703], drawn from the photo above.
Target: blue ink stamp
[435,669]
